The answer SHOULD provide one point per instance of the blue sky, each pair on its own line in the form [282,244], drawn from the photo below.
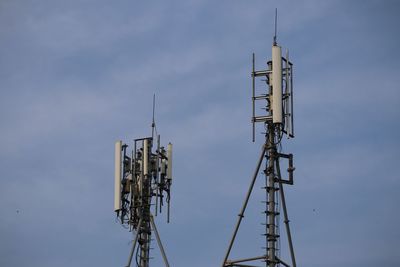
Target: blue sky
[77,75]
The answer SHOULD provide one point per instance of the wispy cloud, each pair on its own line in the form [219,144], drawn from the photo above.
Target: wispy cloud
[76,76]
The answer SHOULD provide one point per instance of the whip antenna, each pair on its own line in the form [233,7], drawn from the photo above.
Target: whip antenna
[276,25]
[153,123]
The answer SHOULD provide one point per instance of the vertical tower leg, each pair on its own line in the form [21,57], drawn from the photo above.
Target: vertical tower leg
[285,214]
[153,225]
[271,210]
[145,245]
[146,228]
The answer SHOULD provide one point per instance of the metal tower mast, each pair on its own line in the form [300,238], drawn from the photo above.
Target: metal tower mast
[278,102]
[141,176]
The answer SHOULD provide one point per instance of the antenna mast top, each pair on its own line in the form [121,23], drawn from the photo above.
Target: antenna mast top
[153,123]
[276,25]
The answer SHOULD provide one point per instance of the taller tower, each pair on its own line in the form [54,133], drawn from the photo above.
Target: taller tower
[277,100]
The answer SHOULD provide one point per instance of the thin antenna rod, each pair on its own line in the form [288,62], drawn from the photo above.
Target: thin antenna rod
[253,74]
[276,25]
[153,124]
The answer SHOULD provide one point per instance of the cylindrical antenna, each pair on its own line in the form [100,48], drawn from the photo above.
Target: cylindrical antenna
[163,166]
[146,157]
[287,96]
[117,176]
[153,124]
[169,155]
[253,74]
[291,101]
[276,84]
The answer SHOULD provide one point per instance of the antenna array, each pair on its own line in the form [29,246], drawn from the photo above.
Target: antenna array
[142,176]
[278,103]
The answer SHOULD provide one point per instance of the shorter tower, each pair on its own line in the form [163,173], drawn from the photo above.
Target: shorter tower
[143,178]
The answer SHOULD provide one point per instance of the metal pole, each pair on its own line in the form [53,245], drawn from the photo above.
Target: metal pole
[253,97]
[291,100]
[157,171]
[134,244]
[241,214]
[285,214]
[271,233]
[168,208]
[159,241]
[145,245]
[145,208]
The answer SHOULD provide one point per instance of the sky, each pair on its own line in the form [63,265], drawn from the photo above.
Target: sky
[75,76]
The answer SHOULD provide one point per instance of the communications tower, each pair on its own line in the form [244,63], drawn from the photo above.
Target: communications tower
[143,178]
[277,100]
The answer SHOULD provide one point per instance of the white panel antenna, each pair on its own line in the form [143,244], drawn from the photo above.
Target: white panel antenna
[169,155]
[146,157]
[276,84]
[117,176]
